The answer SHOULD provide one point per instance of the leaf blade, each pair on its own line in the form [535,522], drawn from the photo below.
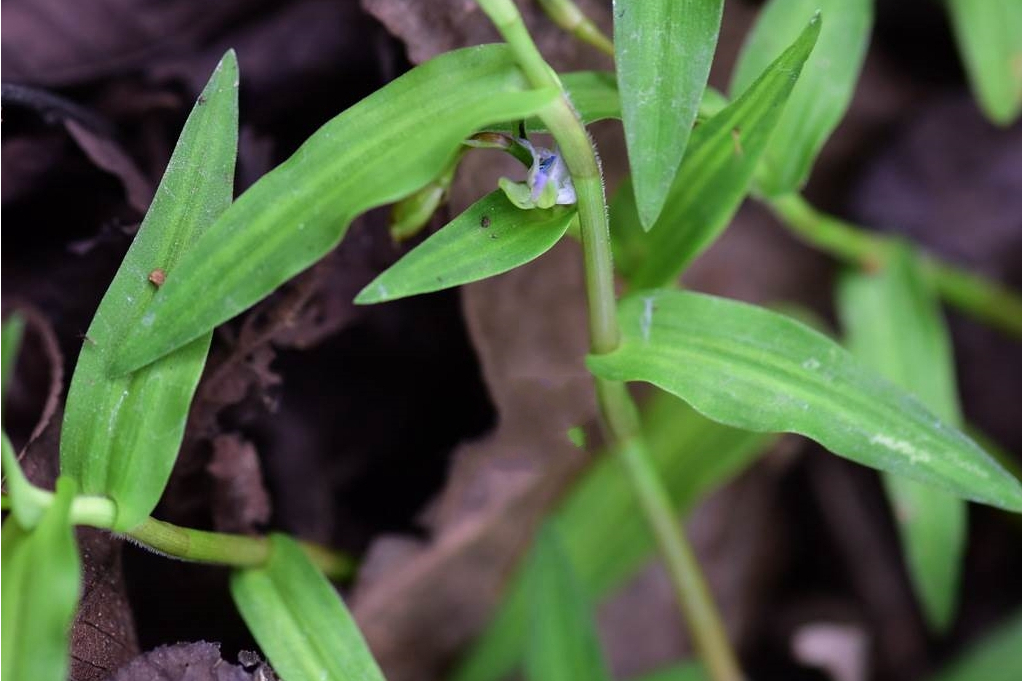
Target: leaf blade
[367,156]
[120,436]
[562,640]
[299,620]
[754,369]
[993,658]
[594,95]
[663,54]
[715,174]
[40,587]
[684,671]
[989,36]
[676,436]
[824,91]
[489,238]
[893,324]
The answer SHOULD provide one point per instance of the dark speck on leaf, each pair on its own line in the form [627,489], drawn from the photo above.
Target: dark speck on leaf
[485,222]
[201,100]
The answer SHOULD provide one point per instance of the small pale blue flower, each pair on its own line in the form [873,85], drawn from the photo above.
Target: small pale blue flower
[547,184]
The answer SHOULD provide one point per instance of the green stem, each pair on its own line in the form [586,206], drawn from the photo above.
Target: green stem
[200,546]
[981,298]
[235,550]
[985,300]
[569,17]
[691,588]
[618,411]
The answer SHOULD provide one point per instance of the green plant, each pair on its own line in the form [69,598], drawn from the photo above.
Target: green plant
[746,370]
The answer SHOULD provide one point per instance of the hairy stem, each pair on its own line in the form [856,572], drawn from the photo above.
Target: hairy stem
[974,295]
[235,550]
[620,417]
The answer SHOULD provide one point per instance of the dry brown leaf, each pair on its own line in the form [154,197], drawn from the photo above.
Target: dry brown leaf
[240,500]
[107,154]
[198,661]
[103,635]
[429,29]
[99,37]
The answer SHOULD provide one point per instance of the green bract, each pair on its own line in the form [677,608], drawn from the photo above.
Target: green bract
[299,620]
[754,369]
[376,152]
[824,90]
[664,49]
[490,237]
[121,436]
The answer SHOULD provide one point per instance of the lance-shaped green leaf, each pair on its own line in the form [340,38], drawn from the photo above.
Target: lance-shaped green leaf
[824,89]
[491,237]
[299,620]
[121,436]
[715,174]
[562,634]
[994,658]
[40,592]
[678,439]
[383,148]
[893,324]
[989,35]
[663,54]
[755,369]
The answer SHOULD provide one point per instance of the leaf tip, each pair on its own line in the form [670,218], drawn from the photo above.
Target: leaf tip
[373,293]
[649,203]
[1014,502]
